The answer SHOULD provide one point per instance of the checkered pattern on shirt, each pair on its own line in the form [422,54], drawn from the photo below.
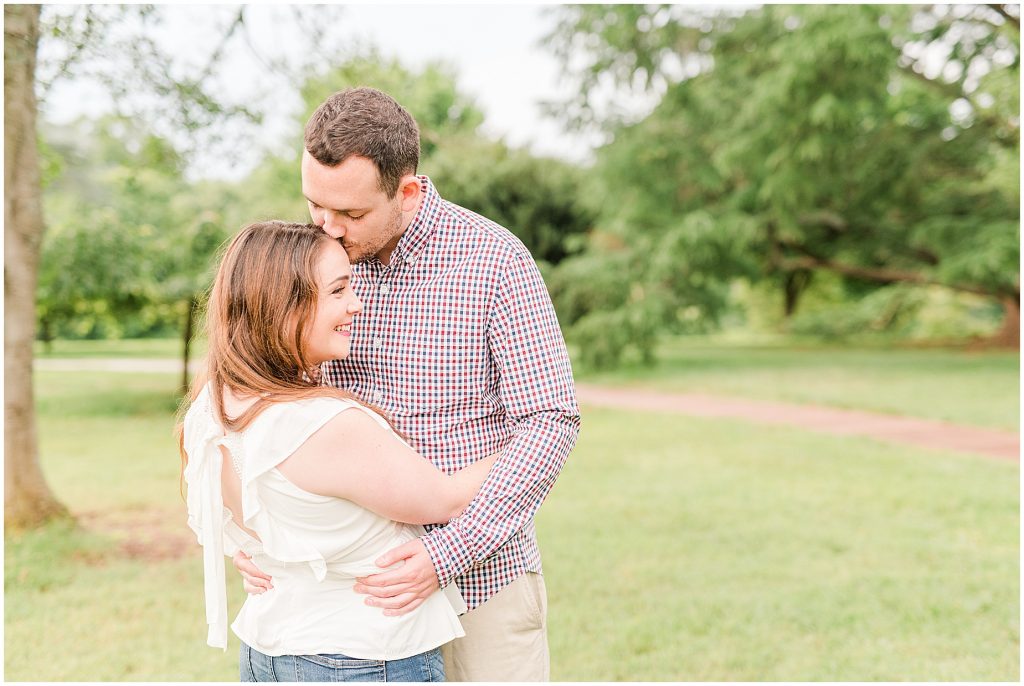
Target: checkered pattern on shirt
[459,343]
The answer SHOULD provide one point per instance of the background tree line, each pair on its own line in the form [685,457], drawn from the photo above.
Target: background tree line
[798,152]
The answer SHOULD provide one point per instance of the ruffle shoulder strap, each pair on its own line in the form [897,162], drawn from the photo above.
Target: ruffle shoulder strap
[206,513]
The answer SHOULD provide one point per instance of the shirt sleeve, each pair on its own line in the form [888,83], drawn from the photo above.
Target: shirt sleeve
[536,389]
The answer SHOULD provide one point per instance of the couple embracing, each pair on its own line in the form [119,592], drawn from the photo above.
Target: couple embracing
[387,402]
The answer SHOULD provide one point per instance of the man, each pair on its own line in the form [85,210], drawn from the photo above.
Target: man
[459,343]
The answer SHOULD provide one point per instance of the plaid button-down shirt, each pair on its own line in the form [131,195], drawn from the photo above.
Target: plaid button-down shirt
[459,343]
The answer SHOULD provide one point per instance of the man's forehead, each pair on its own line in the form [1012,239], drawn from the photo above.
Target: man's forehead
[356,165]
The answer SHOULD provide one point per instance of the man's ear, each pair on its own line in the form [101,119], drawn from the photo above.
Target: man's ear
[409,192]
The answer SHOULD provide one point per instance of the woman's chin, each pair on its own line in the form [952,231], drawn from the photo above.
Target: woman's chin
[336,357]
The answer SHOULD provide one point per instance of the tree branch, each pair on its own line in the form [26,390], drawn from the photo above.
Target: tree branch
[829,220]
[837,225]
[77,49]
[215,56]
[882,274]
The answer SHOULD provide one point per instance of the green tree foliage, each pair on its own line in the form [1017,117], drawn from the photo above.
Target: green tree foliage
[811,138]
[538,199]
[105,213]
[131,243]
[117,219]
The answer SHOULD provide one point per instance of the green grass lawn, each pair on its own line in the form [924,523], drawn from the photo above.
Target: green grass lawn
[682,549]
[109,453]
[129,347]
[980,388]
[674,549]
[118,618]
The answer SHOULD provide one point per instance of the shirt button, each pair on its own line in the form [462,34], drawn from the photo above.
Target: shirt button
[377,342]
[411,260]
[384,288]
[377,397]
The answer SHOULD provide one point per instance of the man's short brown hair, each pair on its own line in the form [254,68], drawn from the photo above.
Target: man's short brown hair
[368,123]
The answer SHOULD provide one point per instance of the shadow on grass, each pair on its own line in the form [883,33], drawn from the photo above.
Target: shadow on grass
[47,557]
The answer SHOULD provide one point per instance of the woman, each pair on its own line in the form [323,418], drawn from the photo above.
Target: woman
[306,479]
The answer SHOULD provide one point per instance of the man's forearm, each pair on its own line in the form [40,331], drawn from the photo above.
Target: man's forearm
[509,498]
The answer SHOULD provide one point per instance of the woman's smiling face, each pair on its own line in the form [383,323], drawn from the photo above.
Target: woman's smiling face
[329,335]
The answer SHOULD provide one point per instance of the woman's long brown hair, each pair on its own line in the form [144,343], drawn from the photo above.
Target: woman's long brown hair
[262,301]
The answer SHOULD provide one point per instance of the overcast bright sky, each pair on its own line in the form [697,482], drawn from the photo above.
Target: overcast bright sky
[496,52]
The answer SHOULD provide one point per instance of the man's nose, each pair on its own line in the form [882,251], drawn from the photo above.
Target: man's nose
[332,227]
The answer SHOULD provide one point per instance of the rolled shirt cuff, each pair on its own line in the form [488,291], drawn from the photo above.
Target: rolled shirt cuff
[451,554]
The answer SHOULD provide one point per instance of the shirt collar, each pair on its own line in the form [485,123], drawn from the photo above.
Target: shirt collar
[423,225]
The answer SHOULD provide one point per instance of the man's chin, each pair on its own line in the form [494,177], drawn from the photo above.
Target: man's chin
[356,253]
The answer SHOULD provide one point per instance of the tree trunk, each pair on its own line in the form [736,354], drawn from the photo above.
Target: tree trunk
[793,285]
[1009,333]
[193,305]
[46,334]
[28,501]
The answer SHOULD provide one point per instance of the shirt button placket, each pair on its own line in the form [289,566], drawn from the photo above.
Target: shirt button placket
[378,342]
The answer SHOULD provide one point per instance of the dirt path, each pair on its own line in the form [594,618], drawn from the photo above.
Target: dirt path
[922,433]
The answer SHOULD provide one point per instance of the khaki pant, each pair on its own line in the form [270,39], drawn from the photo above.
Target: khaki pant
[506,637]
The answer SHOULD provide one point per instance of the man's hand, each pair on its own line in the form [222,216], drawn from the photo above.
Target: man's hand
[400,590]
[253,580]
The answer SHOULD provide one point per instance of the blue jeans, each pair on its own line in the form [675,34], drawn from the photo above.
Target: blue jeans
[255,666]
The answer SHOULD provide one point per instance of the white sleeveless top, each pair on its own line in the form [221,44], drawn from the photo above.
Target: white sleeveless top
[313,546]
